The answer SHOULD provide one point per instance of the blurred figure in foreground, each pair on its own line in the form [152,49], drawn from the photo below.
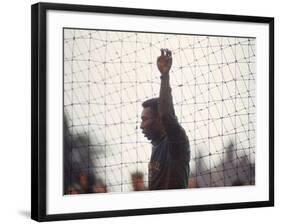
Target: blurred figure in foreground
[137,181]
[99,187]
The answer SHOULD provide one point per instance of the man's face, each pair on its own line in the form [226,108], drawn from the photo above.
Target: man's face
[150,125]
[138,184]
[99,188]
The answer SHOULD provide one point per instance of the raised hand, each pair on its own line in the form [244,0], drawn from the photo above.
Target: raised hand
[164,61]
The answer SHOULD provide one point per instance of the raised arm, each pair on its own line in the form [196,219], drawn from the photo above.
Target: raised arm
[166,108]
[164,64]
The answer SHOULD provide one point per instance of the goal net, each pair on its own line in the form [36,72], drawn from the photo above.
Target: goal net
[108,74]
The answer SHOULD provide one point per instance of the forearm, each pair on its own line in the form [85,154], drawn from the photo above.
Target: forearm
[174,131]
[165,99]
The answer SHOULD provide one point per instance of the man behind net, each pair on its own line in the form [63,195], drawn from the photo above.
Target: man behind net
[169,161]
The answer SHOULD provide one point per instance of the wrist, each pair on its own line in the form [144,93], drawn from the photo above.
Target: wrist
[164,76]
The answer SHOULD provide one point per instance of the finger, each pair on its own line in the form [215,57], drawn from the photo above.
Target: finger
[158,59]
[169,53]
[162,51]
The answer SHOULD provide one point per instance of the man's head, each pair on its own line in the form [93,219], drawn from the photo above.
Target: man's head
[151,124]
[137,181]
[99,187]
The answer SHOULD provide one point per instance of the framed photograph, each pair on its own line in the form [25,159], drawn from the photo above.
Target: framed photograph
[141,111]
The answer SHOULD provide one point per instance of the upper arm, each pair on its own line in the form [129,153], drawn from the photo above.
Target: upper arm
[178,140]
[173,129]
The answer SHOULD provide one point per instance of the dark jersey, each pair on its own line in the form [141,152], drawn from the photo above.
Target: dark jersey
[169,162]
[169,165]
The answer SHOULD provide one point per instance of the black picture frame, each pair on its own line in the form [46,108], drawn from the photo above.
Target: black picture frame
[39,109]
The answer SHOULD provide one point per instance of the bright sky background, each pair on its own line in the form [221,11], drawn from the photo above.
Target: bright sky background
[108,74]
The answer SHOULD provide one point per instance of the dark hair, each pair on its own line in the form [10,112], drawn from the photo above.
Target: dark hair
[152,103]
[137,175]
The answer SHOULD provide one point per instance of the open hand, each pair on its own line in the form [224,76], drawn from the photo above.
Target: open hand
[164,61]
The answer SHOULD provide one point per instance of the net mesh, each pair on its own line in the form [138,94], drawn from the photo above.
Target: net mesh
[108,74]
